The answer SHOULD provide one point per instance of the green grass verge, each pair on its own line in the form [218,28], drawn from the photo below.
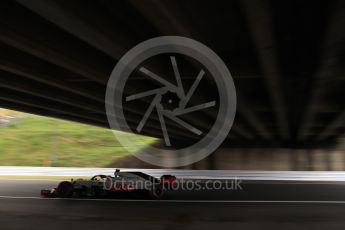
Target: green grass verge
[41,141]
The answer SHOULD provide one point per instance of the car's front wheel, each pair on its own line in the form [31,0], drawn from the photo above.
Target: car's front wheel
[65,189]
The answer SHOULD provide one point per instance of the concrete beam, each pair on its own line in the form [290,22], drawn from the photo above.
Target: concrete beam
[260,23]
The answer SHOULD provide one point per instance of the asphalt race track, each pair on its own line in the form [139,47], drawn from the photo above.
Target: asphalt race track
[258,205]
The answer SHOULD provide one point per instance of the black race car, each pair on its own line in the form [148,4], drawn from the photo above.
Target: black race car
[121,183]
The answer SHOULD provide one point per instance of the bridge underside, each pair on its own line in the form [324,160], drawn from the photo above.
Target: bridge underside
[287,59]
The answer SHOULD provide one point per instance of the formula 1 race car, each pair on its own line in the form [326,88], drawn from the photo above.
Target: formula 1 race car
[122,183]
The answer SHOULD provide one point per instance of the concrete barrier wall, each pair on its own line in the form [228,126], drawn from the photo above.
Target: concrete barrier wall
[259,159]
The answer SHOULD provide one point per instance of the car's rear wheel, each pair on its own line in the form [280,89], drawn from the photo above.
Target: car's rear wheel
[65,189]
[157,192]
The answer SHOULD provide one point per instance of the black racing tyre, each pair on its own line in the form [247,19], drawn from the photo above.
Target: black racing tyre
[65,189]
[157,193]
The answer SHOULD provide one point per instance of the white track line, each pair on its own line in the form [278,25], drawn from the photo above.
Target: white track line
[185,174]
[181,201]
